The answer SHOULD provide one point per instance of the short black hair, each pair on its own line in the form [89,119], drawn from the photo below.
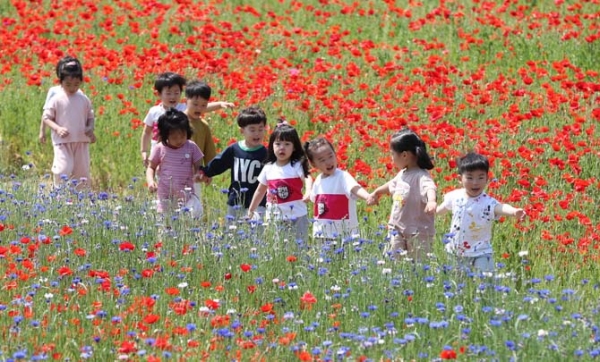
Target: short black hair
[70,69]
[173,120]
[66,60]
[472,162]
[251,115]
[168,79]
[197,88]
[284,132]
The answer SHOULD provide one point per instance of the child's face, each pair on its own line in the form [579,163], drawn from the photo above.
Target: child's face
[196,107]
[254,134]
[324,160]
[177,138]
[474,182]
[170,96]
[283,150]
[70,85]
[401,159]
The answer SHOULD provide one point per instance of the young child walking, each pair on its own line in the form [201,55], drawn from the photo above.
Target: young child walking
[281,179]
[169,87]
[334,193]
[473,214]
[70,116]
[177,160]
[413,191]
[244,159]
[52,91]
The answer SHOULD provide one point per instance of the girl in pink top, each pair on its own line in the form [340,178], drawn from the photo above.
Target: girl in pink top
[179,160]
[413,191]
[70,116]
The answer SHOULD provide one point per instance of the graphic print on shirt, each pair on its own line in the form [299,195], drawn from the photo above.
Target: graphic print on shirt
[246,170]
[331,207]
[284,190]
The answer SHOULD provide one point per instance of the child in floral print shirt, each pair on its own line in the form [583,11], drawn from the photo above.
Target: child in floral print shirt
[473,214]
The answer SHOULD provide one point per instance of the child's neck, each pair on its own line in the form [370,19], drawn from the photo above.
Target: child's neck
[282,163]
[192,118]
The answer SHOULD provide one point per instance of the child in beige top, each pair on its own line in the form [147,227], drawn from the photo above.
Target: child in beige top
[413,191]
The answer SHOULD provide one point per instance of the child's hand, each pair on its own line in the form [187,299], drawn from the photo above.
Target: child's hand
[430,207]
[372,200]
[520,214]
[62,132]
[145,159]
[306,197]
[92,137]
[152,186]
[225,105]
[42,137]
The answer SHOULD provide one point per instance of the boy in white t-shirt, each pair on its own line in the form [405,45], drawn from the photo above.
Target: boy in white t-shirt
[473,214]
[334,193]
[169,87]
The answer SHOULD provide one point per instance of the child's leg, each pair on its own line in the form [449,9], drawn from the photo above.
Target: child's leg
[484,263]
[301,225]
[63,162]
[419,246]
[81,161]
[195,206]
[397,245]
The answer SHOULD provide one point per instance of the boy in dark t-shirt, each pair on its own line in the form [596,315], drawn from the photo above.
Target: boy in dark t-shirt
[244,159]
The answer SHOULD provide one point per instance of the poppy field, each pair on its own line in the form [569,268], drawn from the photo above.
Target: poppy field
[99,275]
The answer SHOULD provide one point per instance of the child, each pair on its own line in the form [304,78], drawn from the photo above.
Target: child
[55,89]
[283,175]
[244,159]
[169,86]
[473,213]
[334,193]
[178,160]
[197,95]
[413,193]
[70,116]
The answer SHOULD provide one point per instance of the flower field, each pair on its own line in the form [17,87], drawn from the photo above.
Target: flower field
[98,275]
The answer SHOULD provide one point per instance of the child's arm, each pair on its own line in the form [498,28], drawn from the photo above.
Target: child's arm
[89,125]
[444,207]
[150,177]
[260,192]
[375,195]
[61,131]
[360,192]
[145,144]
[507,210]
[210,151]
[308,182]
[431,206]
[42,136]
[220,163]
[215,106]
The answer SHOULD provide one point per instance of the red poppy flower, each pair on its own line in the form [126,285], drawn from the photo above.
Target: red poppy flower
[246,267]
[126,246]
[66,230]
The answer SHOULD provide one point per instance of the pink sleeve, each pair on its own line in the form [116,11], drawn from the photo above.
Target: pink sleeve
[197,154]
[157,153]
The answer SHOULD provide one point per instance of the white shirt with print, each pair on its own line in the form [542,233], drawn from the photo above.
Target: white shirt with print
[472,221]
